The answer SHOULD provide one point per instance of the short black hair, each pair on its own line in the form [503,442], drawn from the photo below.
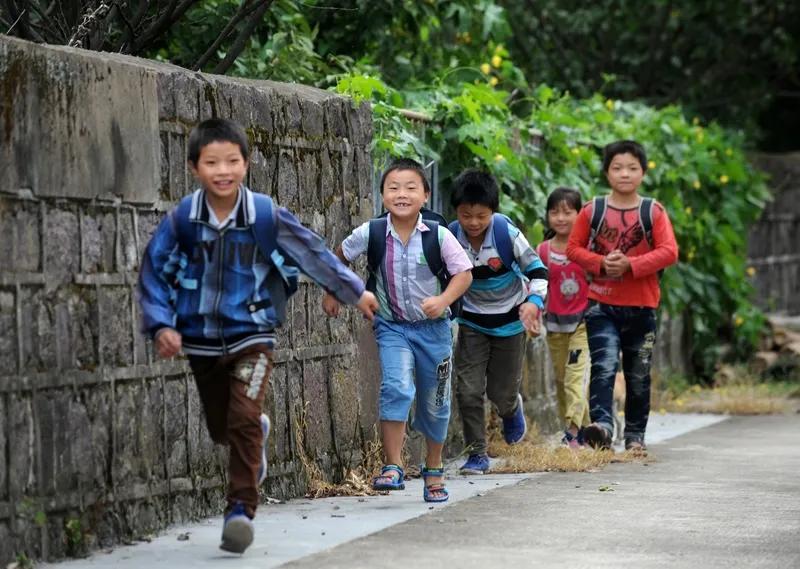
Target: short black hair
[216,130]
[474,186]
[406,164]
[624,147]
[570,196]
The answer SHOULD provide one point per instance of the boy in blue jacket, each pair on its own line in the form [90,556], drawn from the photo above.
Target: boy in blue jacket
[214,283]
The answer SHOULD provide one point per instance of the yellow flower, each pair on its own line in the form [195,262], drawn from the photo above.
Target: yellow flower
[690,255]
[728,152]
[738,321]
[688,211]
[662,411]
[498,49]
[724,179]
[499,158]
[679,402]
[467,37]
[497,60]
[609,104]
[751,271]
[485,68]
[575,151]
[493,81]
[696,184]
[651,165]
[695,121]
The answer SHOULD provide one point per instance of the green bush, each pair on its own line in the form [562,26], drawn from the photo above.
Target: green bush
[698,172]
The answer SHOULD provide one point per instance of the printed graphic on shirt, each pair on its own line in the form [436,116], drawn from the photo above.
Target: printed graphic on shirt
[569,286]
[626,240]
[574,356]
[495,263]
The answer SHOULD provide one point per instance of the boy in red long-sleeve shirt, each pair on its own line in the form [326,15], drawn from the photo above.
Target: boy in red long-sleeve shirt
[623,241]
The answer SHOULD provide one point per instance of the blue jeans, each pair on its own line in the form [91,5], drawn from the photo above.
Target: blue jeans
[632,330]
[416,360]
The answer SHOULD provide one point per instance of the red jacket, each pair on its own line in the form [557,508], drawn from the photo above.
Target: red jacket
[621,229]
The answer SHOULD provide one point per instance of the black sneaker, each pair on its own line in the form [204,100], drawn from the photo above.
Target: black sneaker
[635,446]
[597,436]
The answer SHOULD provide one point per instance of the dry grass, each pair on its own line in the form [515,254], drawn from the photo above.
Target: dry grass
[538,454]
[735,392]
[355,481]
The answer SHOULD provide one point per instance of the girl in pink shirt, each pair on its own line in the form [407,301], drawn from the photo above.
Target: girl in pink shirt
[567,301]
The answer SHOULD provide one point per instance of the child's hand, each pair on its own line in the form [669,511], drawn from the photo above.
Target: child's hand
[330,305]
[529,315]
[168,343]
[368,305]
[434,306]
[616,263]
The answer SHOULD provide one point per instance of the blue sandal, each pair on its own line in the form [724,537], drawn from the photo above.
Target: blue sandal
[388,481]
[430,491]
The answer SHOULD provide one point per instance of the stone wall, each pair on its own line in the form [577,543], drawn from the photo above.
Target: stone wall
[99,441]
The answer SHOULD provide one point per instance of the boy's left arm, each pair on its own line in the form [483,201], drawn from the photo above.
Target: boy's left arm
[313,258]
[665,248]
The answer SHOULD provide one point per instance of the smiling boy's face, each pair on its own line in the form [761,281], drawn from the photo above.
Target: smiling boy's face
[404,194]
[220,169]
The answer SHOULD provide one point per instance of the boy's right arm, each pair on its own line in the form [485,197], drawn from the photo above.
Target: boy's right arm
[579,240]
[155,292]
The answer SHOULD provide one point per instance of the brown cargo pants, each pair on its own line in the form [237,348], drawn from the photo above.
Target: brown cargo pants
[232,390]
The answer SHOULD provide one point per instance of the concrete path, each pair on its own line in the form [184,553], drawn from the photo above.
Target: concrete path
[722,497]
[303,528]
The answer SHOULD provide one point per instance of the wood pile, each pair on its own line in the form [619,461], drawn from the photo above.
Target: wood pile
[779,347]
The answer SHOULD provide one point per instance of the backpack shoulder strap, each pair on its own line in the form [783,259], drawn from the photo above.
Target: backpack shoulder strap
[376,243]
[646,219]
[599,204]
[185,230]
[502,239]
[264,228]
[376,249]
[453,227]
[433,251]
[544,253]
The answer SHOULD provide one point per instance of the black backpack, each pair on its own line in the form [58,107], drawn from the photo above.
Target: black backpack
[376,251]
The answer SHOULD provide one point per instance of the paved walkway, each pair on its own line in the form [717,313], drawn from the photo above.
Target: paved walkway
[301,528]
[727,496]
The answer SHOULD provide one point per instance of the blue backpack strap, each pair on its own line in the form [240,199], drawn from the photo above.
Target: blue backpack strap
[376,250]
[598,213]
[453,227]
[281,283]
[187,235]
[646,219]
[185,230]
[502,240]
[264,232]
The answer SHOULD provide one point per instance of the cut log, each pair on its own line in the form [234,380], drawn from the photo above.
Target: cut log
[782,337]
[792,350]
[763,361]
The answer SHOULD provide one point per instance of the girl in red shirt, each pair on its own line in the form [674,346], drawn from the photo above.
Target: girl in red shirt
[567,301]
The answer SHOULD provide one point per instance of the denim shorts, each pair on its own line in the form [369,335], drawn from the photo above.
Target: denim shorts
[416,360]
